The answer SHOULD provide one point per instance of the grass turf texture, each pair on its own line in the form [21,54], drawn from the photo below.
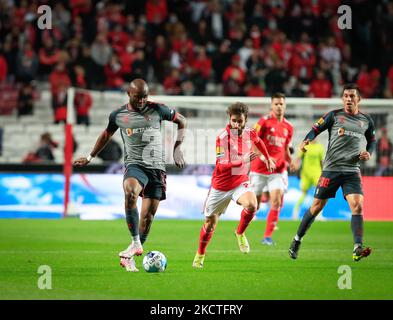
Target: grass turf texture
[84,262]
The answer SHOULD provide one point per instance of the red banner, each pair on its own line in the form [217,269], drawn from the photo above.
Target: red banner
[378,198]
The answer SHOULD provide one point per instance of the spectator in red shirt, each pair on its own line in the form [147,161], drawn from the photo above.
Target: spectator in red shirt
[114,73]
[368,82]
[384,153]
[59,77]
[172,83]
[3,68]
[156,13]
[389,83]
[234,78]
[254,89]
[320,87]
[83,102]
[202,64]
[49,56]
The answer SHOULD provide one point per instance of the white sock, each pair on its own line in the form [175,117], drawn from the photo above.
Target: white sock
[136,239]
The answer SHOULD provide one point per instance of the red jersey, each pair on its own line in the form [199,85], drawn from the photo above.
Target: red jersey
[277,136]
[230,170]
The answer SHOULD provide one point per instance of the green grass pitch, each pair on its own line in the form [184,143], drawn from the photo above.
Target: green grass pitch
[84,263]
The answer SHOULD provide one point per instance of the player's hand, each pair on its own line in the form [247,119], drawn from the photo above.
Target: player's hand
[178,158]
[81,162]
[271,164]
[248,157]
[364,156]
[292,166]
[303,145]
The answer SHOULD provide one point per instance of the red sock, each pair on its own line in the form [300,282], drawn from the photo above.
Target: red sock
[271,221]
[204,238]
[245,219]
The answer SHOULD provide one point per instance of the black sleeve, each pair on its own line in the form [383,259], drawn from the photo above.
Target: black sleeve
[370,136]
[112,126]
[322,124]
[166,113]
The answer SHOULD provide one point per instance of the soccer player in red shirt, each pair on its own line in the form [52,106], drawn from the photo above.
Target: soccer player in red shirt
[234,152]
[276,132]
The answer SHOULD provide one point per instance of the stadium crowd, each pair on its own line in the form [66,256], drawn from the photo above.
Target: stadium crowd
[228,47]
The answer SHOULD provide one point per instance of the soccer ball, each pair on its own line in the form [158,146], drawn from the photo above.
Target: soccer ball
[154,261]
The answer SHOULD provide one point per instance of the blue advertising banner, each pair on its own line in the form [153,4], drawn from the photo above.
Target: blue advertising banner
[100,196]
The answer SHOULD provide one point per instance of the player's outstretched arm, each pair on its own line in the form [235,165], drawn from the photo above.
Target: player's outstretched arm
[303,145]
[177,153]
[102,140]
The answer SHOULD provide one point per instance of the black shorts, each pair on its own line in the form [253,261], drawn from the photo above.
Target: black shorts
[330,181]
[153,181]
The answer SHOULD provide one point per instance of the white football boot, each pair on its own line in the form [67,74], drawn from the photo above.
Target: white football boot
[129,264]
[134,249]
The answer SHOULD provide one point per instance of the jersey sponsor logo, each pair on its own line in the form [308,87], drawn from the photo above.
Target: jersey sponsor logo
[275,141]
[257,127]
[341,132]
[131,131]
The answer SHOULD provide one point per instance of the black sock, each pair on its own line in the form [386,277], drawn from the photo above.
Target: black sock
[307,220]
[132,218]
[143,237]
[357,228]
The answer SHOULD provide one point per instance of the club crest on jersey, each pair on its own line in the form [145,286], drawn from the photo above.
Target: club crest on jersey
[285,132]
[361,123]
[272,129]
[125,118]
[147,117]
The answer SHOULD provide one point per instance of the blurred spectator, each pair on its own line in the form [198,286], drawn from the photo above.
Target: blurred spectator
[25,100]
[111,152]
[44,151]
[368,82]
[254,89]
[101,53]
[233,78]
[160,57]
[389,82]
[217,25]
[156,14]
[59,104]
[3,67]
[172,83]
[82,103]
[139,66]
[276,78]
[384,153]
[59,77]
[302,60]
[114,73]
[320,87]
[49,56]
[26,64]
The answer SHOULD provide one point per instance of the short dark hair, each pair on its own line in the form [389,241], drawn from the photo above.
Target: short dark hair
[278,95]
[351,86]
[238,108]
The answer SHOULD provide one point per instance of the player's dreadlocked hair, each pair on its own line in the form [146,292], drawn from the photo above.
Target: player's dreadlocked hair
[238,108]
[351,86]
